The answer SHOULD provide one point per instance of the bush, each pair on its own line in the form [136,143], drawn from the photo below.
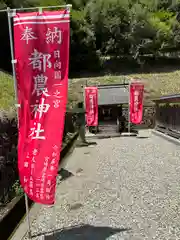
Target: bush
[111,28]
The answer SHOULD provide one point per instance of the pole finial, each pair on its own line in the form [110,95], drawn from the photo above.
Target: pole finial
[11,12]
[68,7]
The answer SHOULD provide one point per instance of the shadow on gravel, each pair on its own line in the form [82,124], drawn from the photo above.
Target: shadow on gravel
[142,137]
[87,144]
[65,174]
[92,143]
[83,232]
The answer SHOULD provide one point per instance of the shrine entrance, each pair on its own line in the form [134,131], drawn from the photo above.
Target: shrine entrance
[108,113]
[111,99]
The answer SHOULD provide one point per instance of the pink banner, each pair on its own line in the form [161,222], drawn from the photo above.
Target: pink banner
[91,102]
[136,102]
[41,42]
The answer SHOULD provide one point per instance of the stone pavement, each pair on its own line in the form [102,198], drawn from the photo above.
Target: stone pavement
[123,188]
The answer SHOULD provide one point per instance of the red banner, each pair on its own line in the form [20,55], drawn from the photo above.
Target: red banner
[136,102]
[91,102]
[41,42]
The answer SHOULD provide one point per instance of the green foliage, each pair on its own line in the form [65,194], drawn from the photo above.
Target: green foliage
[47,2]
[109,20]
[17,189]
[83,48]
[16,3]
[7,92]
[117,28]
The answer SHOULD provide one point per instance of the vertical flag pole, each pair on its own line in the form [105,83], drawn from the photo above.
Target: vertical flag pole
[27,216]
[10,14]
[53,220]
[13,61]
[84,99]
[129,117]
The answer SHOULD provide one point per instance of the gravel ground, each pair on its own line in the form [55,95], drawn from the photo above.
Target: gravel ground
[122,188]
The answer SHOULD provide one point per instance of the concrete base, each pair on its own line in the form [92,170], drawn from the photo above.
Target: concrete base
[170,139]
[129,134]
[109,135]
[88,134]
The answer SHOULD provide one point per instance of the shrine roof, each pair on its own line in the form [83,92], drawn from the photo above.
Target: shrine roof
[113,94]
